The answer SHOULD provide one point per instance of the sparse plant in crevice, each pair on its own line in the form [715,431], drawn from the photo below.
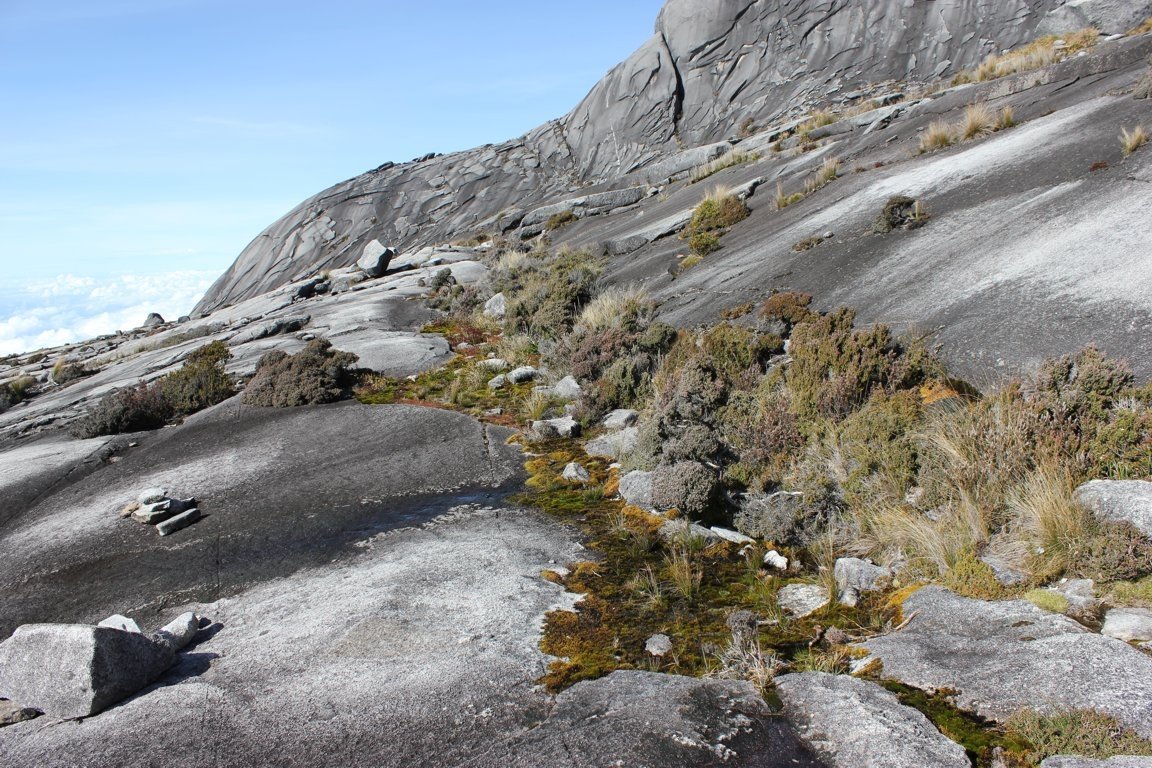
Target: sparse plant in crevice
[559,221]
[1007,119]
[900,212]
[15,392]
[1134,139]
[730,159]
[979,120]
[1039,53]
[715,214]
[784,199]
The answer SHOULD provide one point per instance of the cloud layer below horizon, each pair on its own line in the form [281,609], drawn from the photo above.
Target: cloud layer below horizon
[71,308]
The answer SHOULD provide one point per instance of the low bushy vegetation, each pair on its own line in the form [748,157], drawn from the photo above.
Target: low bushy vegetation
[316,374]
[15,392]
[900,212]
[1084,733]
[1039,53]
[715,214]
[547,291]
[199,383]
[559,220]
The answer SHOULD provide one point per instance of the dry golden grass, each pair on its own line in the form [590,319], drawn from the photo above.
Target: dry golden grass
[979,120]
[729,159]
[783,199]
[1134,139]
[938,135]
[1007,119]
[612,306]
[1036,55]
[1143,28]
[823,176]
[1050,520]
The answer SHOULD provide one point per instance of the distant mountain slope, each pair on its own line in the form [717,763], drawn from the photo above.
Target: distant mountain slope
[710,67]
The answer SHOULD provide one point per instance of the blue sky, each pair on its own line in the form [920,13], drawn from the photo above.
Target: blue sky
[151,140]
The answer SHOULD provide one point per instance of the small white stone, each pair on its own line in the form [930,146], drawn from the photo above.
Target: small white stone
[658,645]
[774,559]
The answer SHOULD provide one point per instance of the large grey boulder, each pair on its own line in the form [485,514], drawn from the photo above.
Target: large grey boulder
[1001,657]
[375,258]
[1119,501]
[496,306]
[154,319]
[1128,624]
[854,576]
[853,723]
[76,670]
[619,419]
[636,489]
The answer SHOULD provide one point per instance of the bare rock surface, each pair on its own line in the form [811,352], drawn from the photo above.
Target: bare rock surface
[1119,501]
[852,722]
[1004,656]
[1122,761]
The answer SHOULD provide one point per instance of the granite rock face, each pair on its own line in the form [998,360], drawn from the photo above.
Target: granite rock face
[1001,657]
[853,722]
[704,72]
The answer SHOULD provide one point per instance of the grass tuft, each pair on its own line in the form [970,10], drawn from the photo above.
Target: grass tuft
[1134,139]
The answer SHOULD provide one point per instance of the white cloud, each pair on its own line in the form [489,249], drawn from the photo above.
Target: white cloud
[70,308]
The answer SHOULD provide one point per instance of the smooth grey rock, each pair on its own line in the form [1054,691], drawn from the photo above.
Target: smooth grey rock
[1119,501]
[375,258]
[1003,656]
[636,489]
[851,723]
[522,374]
[178,633]
[774,559]
[153,320]
[496,306]
[564,426]
[493,364]
[152,495]
[732,536]
[802,600]
[619,419]
[680,529]
[273,327]
[1108,16]
[1122,761]
[1083,604]
[151,514]
[498,381]
[854,575]
[615,445]
[182,520]
[574,473]
[658,645]
[116,621]
[565,389]
[76,670]
[1004,572]
[1128,624]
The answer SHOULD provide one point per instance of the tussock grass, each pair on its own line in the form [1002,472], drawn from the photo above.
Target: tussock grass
[938,135]
[729,159]
[783,199]
[609,308]
[1040,53]
[824,175]
[979,120]
[1134,139]
[1007,119]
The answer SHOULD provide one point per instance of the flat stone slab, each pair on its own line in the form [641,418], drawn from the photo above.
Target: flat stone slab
[852,723]
[1001,657]
[802,600]
[1128,624]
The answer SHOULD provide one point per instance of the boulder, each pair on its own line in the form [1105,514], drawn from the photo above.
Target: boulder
[1003,656]
[1128,624]
[615,445]
[853,722]
[1082,602]
[1111,17]
[854,576]
[636,489]
[116,621]
[496,306]
[677,530]
[565,389]
[774,559]
[1119,501]
[153,320]
[493,364]
[522,374]
[574,473]
[182,520]
[802,600]
[178,633]
[732,536]
[546,429]
[375,258]
[498,381]
[619,419]
[77,670]
[152,495]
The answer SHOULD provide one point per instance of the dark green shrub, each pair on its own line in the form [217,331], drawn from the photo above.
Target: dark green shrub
[711,219]
[696,443]
[316,374]
[133,409]
[704,243]
[201,382]
[548,294]
[787,307]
